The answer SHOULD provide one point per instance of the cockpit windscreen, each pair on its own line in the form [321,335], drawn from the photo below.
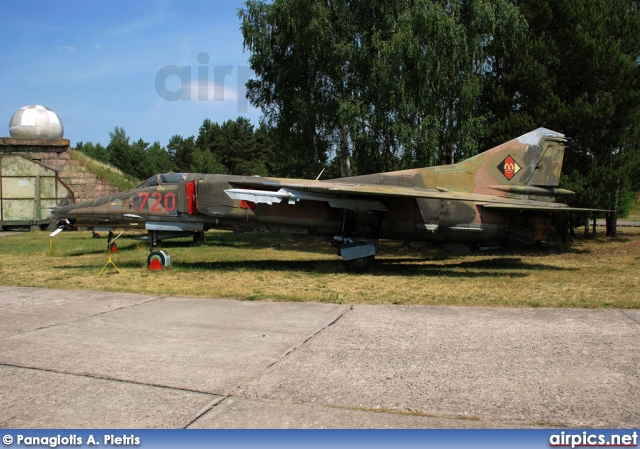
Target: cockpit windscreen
[165,178]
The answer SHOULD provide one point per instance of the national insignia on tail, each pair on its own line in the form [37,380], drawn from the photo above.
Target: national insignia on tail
[509,167]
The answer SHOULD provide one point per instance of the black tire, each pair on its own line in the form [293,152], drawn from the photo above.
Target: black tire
[198,238]
[360,265]
[155,255]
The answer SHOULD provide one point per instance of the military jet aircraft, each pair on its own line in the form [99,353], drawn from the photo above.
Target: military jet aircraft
[505,194]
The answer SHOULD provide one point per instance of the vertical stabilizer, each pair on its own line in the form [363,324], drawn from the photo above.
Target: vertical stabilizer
[527,164]
[533,159]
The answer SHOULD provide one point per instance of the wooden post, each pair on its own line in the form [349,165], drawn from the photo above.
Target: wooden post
[586,227]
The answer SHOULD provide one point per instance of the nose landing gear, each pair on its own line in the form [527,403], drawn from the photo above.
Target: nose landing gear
[198,238]
[158,260]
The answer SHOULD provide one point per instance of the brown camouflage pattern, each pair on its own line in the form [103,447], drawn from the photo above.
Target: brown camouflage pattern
[503,195]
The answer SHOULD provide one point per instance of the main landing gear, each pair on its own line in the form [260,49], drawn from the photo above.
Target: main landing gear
[358,254]
[360,265]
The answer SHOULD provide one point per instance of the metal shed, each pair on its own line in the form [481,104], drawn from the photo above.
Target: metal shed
[28,190]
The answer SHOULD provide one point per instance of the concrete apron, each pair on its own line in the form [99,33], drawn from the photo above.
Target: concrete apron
[112,360]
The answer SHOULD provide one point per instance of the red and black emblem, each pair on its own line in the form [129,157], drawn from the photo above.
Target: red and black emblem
[509,167]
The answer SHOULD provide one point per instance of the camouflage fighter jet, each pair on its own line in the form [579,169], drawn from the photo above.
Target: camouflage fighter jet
[505,194]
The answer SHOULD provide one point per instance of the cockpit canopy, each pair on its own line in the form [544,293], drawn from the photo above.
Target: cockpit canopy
[165,178]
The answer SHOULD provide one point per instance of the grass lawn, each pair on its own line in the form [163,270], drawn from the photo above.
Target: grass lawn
[594,273]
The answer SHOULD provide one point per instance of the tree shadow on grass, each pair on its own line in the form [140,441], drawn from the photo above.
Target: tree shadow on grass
[98,266]
[87,252]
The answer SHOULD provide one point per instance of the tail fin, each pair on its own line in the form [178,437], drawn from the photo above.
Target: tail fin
[533,159]
[517,166]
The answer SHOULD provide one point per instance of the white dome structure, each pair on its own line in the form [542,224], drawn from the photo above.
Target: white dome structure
[36,122]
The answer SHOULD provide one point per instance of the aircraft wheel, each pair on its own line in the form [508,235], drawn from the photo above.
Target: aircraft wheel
[198,238]
[360,265]
[155,261]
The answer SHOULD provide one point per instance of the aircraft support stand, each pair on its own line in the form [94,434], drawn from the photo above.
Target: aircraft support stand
[110,249]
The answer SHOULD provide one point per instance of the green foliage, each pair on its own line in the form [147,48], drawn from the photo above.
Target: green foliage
[182,152]
[382,84]
[97,151]
[137,160]
[119,149]
[286,40]
[159,160]
[231,148]
[577,72]
[634,211]
[235,148]
[205,161]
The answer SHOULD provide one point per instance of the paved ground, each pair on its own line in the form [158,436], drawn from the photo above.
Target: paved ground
[621,223]
[97,359]
[8,233]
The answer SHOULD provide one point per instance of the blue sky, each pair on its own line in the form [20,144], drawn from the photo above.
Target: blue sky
[102,64]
